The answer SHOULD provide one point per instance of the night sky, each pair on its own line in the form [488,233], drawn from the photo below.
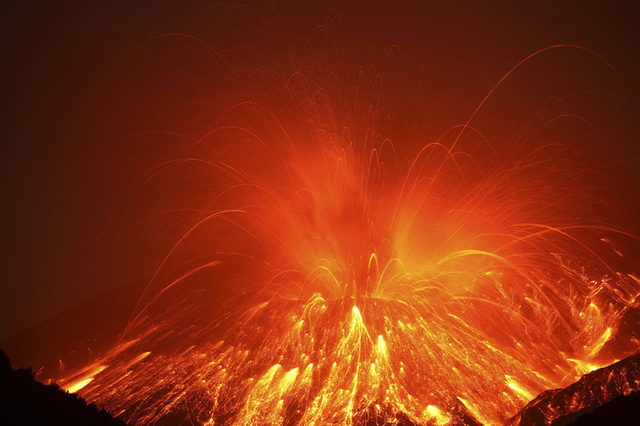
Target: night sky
[66,83]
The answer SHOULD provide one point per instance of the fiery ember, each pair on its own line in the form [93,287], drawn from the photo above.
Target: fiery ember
[341,254]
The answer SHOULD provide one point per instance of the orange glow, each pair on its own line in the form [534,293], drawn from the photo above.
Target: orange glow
[333,261]
[83,379]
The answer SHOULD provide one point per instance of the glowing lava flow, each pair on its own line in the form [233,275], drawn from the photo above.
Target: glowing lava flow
[371,279]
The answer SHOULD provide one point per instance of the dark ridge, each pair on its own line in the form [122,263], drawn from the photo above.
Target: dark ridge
[25,401]
[623,410]
[74,338]
[595,390]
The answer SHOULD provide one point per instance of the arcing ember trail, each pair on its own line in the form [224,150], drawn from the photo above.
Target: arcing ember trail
[334,262]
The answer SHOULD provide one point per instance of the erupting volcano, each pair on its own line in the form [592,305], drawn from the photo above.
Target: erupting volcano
[332,246]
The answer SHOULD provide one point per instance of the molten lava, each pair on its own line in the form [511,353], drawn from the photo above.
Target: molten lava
[332,263]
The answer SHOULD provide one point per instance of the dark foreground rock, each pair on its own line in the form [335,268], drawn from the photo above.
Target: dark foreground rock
[623,410]
[25,401]
[562,406]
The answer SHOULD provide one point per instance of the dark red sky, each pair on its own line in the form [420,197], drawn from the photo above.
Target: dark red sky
[62,95]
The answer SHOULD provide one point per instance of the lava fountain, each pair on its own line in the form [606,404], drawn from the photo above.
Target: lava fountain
[339,256]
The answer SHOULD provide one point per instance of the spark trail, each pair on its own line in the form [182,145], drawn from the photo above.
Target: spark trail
[368,273]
